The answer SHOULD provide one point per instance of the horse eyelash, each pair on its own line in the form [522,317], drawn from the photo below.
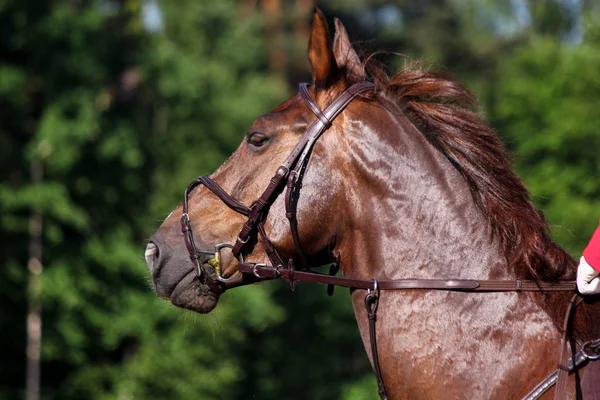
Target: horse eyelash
[263,140]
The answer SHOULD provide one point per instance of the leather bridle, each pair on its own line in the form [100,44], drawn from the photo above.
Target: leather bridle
[289,176]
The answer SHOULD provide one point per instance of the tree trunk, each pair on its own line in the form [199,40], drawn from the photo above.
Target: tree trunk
[277,58]
[34,316]
[303,18]
[247,8]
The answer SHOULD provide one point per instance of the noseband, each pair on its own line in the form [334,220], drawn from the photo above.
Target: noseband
[289,174]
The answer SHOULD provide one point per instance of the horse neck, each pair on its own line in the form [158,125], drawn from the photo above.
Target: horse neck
[410,213]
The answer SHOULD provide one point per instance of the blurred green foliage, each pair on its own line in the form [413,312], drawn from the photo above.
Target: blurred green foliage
[122,117]
[554,134]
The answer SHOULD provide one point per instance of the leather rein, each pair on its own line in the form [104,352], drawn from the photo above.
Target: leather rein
[289,176]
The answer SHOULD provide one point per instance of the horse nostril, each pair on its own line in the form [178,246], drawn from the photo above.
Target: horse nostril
[151,255]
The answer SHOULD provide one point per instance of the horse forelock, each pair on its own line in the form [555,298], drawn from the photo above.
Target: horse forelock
[446,113]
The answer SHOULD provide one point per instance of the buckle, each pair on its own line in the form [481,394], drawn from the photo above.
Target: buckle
[240,240]
[283,171]
[591,349]
[256,273]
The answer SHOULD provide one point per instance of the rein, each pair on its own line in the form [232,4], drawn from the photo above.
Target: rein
[462,285]
[289,176]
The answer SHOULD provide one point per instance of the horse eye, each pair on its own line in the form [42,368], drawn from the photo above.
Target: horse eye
[257,139]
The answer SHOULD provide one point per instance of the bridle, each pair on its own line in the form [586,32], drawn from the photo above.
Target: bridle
[289,176]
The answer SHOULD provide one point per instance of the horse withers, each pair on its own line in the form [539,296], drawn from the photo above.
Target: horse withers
[405,181]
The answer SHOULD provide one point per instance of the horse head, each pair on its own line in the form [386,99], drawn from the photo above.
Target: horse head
[247,172]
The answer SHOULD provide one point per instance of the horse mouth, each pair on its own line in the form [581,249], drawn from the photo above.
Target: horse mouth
[189,292]
[175,279]
[193,295]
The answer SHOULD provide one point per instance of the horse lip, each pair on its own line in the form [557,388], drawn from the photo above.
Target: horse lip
[183,277]
[210,273]
[167,294]
[188,295]
[207,274]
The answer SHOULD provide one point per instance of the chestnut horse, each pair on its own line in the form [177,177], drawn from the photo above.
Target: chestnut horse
[408,182]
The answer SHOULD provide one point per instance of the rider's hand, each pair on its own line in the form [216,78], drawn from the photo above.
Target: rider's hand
[588,280]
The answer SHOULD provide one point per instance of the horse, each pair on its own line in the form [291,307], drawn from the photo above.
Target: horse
[406,182]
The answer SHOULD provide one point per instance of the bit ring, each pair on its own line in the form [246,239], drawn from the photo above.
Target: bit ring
[236,275]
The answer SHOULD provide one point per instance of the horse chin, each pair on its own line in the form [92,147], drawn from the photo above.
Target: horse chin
[193,295]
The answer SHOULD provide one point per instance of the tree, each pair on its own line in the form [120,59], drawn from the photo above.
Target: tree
[546,106]
[90,95]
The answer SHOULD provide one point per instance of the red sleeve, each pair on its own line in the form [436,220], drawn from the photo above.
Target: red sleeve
[592,251]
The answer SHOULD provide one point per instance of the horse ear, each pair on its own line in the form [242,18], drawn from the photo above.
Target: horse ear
[320,55]
[344,53]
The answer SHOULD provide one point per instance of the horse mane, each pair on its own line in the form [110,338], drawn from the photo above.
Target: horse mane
[445,112]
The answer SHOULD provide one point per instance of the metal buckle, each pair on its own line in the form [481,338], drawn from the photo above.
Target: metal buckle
[372,300]
[286,170]
[256,273]
[235,276]
[375,288]
[242,241]
[594,347]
